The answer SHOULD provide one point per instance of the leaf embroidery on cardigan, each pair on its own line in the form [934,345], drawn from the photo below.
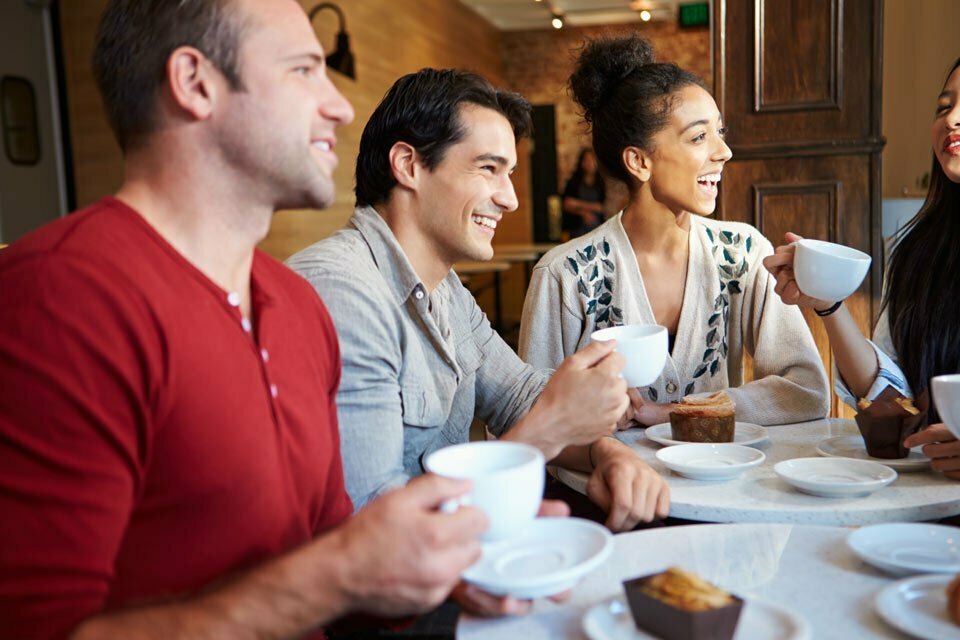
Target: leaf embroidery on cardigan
[594,272]
[729,249]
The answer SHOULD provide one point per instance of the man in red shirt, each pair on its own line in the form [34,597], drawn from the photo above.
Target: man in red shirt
[169,454]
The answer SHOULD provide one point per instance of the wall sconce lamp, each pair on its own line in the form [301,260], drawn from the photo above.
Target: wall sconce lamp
[341,60]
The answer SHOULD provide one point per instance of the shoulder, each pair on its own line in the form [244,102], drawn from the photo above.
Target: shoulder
[344,251]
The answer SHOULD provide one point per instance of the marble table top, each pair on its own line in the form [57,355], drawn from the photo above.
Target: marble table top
[759,495]
[807,569]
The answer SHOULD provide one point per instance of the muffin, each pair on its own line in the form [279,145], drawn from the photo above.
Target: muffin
[887,420]
[709,418]
[678,605]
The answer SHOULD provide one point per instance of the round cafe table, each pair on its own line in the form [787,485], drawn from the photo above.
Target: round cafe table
[806,569]
[759,495]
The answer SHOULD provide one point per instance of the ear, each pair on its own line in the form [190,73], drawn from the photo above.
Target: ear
[405,164]
[192,81]
[638,163]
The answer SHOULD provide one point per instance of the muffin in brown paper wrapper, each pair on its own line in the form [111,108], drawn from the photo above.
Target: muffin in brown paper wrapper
[888,420]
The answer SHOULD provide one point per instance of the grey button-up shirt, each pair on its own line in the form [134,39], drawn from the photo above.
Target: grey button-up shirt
[417,366]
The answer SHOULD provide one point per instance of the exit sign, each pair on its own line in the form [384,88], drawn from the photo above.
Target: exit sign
[695,15]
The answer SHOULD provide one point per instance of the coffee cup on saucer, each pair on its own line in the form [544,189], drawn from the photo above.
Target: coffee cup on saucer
[507,482]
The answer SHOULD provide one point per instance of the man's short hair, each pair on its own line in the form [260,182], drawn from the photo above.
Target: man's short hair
[134,40]
[423,110]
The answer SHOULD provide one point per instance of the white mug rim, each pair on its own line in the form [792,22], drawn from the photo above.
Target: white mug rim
[535,457]
[825,248]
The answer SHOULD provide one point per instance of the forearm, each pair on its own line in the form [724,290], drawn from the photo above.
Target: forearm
[854,357]
[575,458]
[285,598]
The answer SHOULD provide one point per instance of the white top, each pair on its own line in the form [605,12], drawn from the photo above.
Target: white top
[729,309]
[808,570]
[759,495]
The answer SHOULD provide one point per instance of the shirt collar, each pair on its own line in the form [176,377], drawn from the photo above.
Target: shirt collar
[393,263]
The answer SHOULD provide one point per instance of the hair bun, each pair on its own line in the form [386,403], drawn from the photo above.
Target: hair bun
[601,66]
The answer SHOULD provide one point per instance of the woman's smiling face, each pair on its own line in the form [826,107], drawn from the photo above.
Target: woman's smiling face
[689,153]
[945,135]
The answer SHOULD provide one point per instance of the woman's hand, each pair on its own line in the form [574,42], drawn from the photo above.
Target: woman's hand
[941,446]
[641,413]
[780,266]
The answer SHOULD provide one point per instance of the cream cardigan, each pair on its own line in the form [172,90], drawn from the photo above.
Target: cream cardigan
[729,307]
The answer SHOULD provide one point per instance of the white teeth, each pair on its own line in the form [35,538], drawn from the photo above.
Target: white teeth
[710,177]
[955,143]
[323,145]
[485,222]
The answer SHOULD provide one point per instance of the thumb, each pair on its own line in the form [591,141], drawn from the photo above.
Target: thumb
[591,354]
[792,237]
[430,490]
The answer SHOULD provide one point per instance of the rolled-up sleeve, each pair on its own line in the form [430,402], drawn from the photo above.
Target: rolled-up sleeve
[507,387]
[889,373]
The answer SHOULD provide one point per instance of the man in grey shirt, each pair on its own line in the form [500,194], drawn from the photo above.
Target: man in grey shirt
[420,359]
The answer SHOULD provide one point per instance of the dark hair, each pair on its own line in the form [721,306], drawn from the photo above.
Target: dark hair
[423,110]
[626,96]
[133,42]
[579,174]
[923,285]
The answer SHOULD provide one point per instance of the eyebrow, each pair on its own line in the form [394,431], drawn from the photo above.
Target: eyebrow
[491,157]
[315,57]
[696,123]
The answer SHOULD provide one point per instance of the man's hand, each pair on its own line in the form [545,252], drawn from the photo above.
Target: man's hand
[582,402]
[641,413]
[626,487]
[941,446]
[401,555]
[478,602]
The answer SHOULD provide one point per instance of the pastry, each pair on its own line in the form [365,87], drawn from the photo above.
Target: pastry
[679,605]
[709,418]
[887,420]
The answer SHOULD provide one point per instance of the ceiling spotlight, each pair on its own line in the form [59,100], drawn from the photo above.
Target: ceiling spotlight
[645,15]
[557,22]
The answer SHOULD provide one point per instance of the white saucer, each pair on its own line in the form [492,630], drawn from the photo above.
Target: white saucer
[611,620]
[853,447]
[835,477]
[547,557]
[917,606]
[909,548]
[745,433]
[710,461]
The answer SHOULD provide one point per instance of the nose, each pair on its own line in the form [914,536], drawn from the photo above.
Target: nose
[952,117]
[721,152]
[333,105]
[505,196]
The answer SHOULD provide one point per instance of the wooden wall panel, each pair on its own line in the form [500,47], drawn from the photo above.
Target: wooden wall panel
[798,71]
[811,77]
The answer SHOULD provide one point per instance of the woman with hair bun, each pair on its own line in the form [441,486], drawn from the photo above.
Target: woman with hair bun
[663,261]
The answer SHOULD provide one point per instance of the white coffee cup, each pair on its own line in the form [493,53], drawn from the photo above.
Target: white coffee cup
[507,481]
[643,346]
[946,397]
[828,271]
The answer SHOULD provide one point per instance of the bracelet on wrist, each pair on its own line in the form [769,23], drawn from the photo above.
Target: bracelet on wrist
[823,313]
